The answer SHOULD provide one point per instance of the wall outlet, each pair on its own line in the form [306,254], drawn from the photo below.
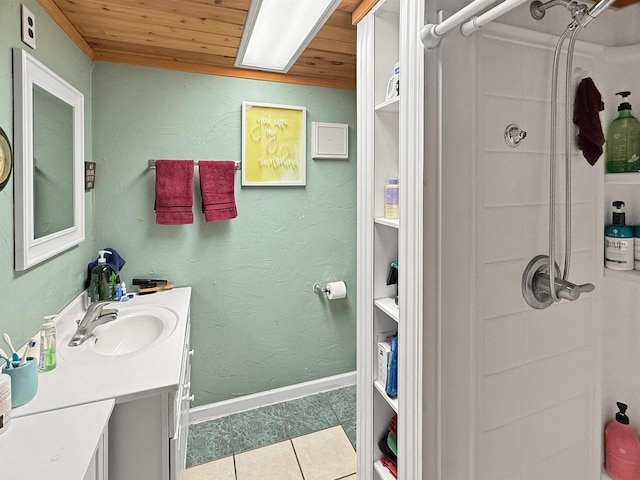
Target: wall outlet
[28,27]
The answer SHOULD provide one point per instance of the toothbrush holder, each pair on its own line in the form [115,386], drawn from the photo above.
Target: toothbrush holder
[24,381]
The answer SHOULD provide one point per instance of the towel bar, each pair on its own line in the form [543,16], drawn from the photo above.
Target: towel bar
[152,164]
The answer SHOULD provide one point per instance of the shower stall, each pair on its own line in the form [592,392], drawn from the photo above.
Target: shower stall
[524,393]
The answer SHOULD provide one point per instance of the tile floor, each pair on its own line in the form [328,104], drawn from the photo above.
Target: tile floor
[310,438]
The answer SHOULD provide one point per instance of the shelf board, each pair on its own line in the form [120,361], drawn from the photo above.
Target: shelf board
[393,402]
[388,306]
[389,222]
[382,471]
[392,105]
[632,178]
[627,275]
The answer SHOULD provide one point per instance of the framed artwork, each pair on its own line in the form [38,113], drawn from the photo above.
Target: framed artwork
[274,147]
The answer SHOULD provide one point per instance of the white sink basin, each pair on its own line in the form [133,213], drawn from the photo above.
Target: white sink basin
[136,329]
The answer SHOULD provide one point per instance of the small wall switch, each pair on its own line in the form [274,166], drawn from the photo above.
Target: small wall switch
[28,27]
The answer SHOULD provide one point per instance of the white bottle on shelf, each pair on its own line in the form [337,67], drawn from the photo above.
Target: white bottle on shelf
[391,199]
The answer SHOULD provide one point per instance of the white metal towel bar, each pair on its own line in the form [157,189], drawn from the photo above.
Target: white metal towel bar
[152,164]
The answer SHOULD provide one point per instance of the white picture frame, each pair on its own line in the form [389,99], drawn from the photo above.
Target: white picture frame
[274,145]
[329,140]
[29,73]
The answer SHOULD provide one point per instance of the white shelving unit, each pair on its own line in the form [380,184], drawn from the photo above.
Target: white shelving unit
[388,306]
[382,471]
[632,178]
[390,138]
[623,186]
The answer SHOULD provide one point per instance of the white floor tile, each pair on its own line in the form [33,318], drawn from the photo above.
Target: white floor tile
[222,469]
[274,462]
[325,455]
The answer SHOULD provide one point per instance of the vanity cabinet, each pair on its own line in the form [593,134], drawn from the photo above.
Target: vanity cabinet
[65,444]
[148,435]
[148,390]
[99,466]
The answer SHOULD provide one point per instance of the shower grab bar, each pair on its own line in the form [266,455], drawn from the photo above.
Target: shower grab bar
[431,33]
[476,23]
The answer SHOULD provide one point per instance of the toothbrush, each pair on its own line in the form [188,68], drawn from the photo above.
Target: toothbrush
[14,356]
[30,345]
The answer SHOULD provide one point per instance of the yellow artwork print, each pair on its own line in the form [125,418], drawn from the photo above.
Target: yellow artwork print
[274,146]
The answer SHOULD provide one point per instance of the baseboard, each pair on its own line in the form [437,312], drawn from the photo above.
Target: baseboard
[269,397]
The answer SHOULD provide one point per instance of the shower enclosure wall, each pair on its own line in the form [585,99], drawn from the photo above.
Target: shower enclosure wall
[524,393]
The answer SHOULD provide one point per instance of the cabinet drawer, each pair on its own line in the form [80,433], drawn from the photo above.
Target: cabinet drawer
[180,401]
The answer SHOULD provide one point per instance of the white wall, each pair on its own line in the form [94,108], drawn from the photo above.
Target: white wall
[533,398]
[525,393]
[536,385]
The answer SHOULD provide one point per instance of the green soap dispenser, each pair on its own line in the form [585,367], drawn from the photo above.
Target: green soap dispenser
[618,241]
[100,284]
[623,140]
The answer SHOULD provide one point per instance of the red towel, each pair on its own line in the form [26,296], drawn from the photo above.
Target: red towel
[588,104]
[174,192]
[217,180]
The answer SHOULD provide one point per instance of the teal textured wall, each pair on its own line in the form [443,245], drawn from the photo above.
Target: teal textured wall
[256,323]
[46,288]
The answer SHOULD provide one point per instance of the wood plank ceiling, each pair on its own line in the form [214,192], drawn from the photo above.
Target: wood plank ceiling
[202,36]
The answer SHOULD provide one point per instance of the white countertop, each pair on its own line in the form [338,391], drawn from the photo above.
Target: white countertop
[56,445]
[128,377]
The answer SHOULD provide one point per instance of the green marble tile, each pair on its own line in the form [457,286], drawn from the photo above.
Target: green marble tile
[308,414]
[209,441]
[343,402]
[350,430]
[257,428]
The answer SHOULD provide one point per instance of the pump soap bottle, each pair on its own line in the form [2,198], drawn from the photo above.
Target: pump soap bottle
[48,357]
[618,241]
[100,285]
[621,448]
[623,140]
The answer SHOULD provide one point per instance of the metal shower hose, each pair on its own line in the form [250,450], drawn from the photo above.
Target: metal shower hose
[572,30]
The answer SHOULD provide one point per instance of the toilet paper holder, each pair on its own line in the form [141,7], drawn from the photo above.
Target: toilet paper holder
[317,288]
[320,289]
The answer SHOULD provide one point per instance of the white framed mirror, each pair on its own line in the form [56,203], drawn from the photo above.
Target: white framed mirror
[48,162]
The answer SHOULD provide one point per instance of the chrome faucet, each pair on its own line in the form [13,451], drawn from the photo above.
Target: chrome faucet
[95,316]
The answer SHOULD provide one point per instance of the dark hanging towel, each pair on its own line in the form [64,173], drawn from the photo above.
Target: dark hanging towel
[585,115]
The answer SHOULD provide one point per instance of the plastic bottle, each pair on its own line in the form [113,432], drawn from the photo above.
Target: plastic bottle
[392,369]
[48,348]
[621,448]
[618,241]
[623,140]
[391,199]
[100,284]
[117,289]
[5,402]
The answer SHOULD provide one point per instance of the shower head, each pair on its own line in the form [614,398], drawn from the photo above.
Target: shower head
[577,10]
[594,11]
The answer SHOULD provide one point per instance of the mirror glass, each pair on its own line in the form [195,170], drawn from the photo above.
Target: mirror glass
[49,162]
[52,164]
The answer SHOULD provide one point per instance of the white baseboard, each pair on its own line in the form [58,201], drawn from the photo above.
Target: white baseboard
[269,397]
